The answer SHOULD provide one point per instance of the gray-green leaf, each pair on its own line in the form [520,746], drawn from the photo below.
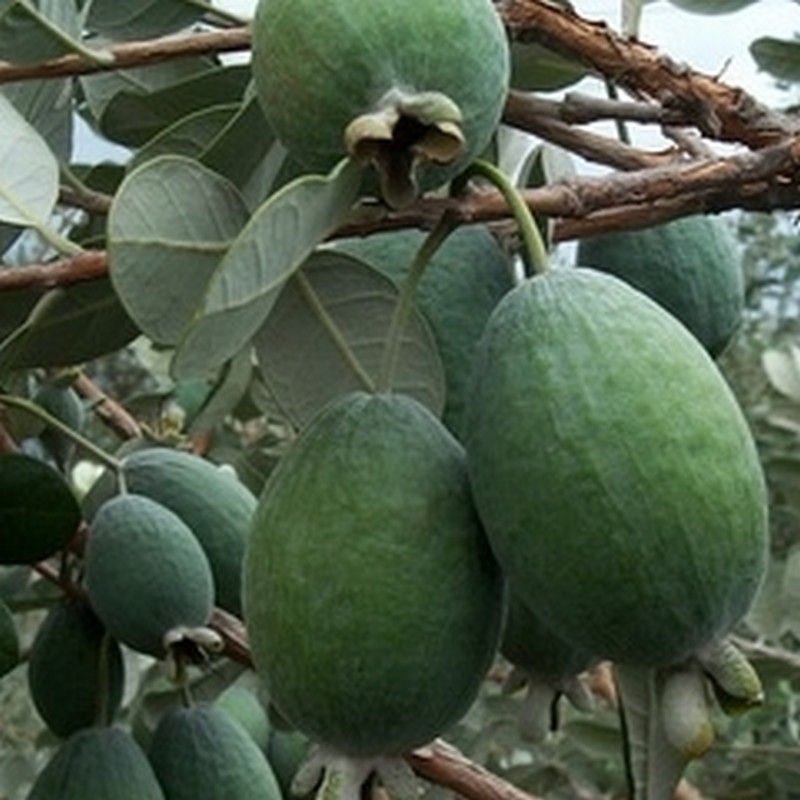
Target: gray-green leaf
[327,334]
[279,237]
[170,224]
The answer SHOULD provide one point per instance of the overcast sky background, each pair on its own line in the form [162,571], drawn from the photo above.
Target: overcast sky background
[716,45]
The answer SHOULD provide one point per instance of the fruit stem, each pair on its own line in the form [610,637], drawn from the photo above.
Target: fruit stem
[29,407]
[405,301]
[531,238]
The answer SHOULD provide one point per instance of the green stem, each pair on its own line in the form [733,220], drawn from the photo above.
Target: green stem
[405,302]
[310,296]
[29,407]
[531,238]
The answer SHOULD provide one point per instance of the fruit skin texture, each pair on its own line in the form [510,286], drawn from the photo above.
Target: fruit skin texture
[97,763]
[214,504]
[66,669]
[689,266]
[461,285]
[373,609]
[614,472]
[38,512]
[145,573]
[199,753]
[315,72]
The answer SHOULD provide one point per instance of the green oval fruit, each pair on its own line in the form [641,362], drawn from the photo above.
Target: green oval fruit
[97,763]
[689,266]
[365,550]
[537,649]
[712,6]
[75,671]
[38,512]
[145,573]
[613,469]
[243,706]
[286,751]
[400,84]
[461,285]
[63,403]
[200,754]
[213,503]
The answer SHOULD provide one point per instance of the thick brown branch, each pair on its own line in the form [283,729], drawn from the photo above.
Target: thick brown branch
[86,266]
[719,111]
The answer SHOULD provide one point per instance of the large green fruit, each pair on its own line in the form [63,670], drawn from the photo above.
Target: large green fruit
[397,82]
[371,598]
[689,266]
[200,753]
[212,502]
[145,573]
[75,671]
[97,764]
[461,285]
[38,512]
[613,469]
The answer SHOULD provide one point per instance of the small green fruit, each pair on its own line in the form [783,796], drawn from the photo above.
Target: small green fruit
[97,764]
[689,266]
[145,573]
[199,753]
[417,88]
[75,670]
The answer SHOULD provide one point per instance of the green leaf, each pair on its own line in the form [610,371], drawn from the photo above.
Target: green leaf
[224,396]
[327,333]
[100,89]
[654,766]
[141,19]
[170,224]
[779,57]
[9,641]
[69,325]
[536,68]
[712,6]
[46,105]
[279,237]
[37,32]
[189,136]
[15,307]
[133,117]
[242,145]
[28,171]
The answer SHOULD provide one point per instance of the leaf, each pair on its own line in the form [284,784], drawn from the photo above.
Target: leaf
[28,171]
[47,106]
[783,370]
[15,307]
[712,6]
[276,241]
[31,33]
[9,642]
[226,394]
[189,136]
[132,118]
[170,224]
[101,88]
[779,57]
[536,68]
[68,326]
[141,19]
[327,334]
[654,766]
